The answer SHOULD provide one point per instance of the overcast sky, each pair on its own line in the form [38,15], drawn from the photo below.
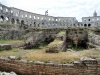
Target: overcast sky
[64,8]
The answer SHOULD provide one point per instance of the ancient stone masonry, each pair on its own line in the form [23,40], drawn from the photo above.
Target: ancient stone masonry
[5,47]
[86,66]
[28,19]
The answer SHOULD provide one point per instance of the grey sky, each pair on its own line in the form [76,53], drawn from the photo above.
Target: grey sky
[64,8]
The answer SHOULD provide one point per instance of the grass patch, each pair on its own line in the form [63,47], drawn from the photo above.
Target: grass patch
[10,41]
[61,33]
[40,55]
[14,50]
[55,43]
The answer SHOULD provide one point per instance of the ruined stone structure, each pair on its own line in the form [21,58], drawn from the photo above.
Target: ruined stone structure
[18,16]
[83,67]
[91,21]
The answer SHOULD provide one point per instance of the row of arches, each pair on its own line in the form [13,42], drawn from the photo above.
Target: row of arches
[22,22]
[87,25]
[3,18]
[92,19]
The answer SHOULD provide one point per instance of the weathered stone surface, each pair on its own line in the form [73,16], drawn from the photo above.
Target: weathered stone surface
[13,34]
[12,57]
[35,39]
[82,67]
[5,47]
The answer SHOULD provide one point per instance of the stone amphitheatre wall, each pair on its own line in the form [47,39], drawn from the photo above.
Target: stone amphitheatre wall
[18,16]
[82,67]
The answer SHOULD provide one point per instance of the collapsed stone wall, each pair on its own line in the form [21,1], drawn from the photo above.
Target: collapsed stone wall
[82,67]
[76,37]
[38,38]
[11,32]
[94,38]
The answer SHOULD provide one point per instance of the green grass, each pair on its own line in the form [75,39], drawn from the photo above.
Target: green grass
[55,43]
[61,33]
[14,50]
[10,41]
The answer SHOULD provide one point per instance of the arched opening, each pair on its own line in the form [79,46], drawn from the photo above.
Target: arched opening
[34,24]
[42,23]
[39,25]
[11,12]
[85,25]
[7,19]
[17,21]
[2,17]
[74,24]
[6,10]
[88,19]
[89,25]
[0,8]
[81,24]
[12,20]
[30,16]
[22,22]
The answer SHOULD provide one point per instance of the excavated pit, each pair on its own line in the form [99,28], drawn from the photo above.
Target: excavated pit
[76,39]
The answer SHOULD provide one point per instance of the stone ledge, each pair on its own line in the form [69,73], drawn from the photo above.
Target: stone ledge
[5,47]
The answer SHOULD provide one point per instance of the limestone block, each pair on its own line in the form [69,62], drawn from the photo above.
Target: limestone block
[5,47]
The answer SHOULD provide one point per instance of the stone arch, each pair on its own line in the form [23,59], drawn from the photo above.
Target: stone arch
[81,24]
[38,18]
[25,15]
[22,16]
[6,10]
[22,22]
[7,19]
[85,25]
[12,20]
[17,21]
[30,16]
[89,25]
[88,19]
[34,17]
[11,11]
[2,17]
[74,25]
[34,24]
[38,24]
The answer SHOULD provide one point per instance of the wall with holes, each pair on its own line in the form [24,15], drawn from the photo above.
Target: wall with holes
[91,21]
[18,16]
[5,13]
